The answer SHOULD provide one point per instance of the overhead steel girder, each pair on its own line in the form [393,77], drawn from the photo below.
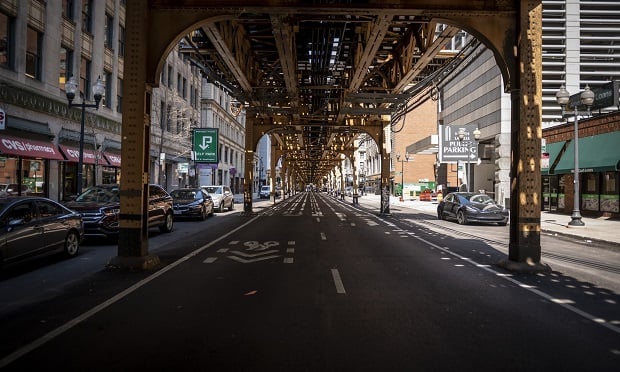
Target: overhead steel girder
[245,50]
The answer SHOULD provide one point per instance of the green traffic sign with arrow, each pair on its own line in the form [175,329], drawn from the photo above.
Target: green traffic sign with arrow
[205,145]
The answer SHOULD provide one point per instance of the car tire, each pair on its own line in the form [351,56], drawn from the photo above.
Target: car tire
[203,214]
[232,205]
[72,244]
[440,216]
[460,218]
[168,223]
[220,208]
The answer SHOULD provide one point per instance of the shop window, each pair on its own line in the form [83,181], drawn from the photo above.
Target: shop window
[610,196]
[590,192]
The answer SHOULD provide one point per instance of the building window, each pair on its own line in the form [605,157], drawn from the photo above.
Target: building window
[179,84]
[169,76]
[33,53]
[109,31]
[85,78]
[107,97]
[7,43]
[66,66]
[87,16]
[184,88]
[119,95]
[67,9]
[162,115]
[121,41]
[168,118]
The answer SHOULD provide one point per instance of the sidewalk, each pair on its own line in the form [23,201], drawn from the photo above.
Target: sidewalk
[603,230]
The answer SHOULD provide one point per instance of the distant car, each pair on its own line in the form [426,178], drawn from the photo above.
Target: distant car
[100,208]
[222,197]
[33,225]
[466,207]
[13,189]
[265,192]
[192,202]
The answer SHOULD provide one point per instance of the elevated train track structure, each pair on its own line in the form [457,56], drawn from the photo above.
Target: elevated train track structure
[315,74]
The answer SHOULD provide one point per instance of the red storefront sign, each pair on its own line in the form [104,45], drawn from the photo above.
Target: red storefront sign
[113,159]
[29,148]
[73,154]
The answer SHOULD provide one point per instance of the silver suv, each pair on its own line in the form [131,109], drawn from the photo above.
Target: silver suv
[222,197]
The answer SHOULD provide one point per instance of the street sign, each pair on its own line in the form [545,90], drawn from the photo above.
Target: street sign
[206,145]
[452,149]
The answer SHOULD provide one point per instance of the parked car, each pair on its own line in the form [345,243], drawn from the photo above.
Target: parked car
[100,209]
[13,189]
[192,202]
[222,197]
[31,226]
[467,207]
[265,192]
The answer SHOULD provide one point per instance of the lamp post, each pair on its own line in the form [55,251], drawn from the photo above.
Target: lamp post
[586,99]
[71,88]
[402,174]
[461,136]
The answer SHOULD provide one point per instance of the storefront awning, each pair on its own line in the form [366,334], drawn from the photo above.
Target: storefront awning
[73,154]
[113,159]
[29,148]
[598,153]
[550,157]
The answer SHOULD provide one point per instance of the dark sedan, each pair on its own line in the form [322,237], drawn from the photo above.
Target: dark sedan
[192,202]
[100,207]
[32,226]
[465,207]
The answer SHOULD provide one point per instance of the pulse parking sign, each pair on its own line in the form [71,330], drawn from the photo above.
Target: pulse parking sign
[206,145]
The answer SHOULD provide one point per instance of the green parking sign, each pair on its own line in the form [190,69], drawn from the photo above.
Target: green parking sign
[206,145]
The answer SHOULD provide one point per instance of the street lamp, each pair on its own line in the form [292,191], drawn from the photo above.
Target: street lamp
[71,88]
[402,174]
[461,136]
[586,99]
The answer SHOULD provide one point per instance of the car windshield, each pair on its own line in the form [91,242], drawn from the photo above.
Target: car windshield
[213,189]
[184,194]
[480,198]
[99,195]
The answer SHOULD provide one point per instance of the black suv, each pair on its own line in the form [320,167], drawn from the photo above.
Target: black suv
[100,207]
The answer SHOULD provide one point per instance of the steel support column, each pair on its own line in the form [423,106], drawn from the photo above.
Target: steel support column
[133,234]
[526,96]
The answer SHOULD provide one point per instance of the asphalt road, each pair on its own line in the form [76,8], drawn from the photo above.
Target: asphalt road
[316,284]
